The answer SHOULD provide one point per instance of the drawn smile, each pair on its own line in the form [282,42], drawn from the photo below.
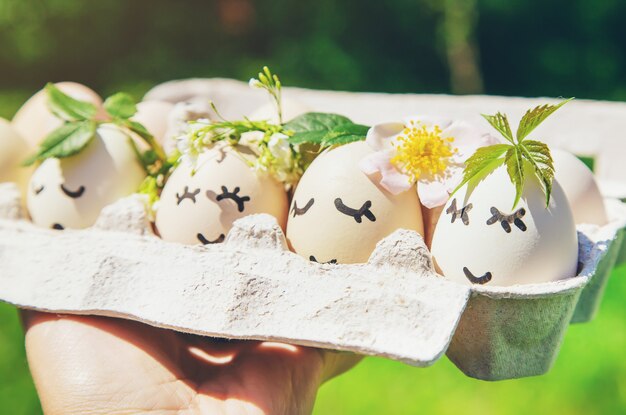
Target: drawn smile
[477,280]
[205,241]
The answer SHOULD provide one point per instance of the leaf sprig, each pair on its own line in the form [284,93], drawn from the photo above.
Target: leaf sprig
[516,154]
[80,122]
[285,149]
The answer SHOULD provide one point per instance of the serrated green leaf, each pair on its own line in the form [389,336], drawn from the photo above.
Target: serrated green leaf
[316,121]
[120,105]
[312,137]
[501,123]
[538,154]
[68,108]
[344,134]
[65,141]
[515,168]
[533,117]
[482,161]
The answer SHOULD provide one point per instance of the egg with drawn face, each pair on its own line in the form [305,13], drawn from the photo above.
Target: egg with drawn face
[200,207]
[339,214]
[71,192]
[481,239]
[13,150]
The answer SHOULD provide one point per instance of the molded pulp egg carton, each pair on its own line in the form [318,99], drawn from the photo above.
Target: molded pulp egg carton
[252,287]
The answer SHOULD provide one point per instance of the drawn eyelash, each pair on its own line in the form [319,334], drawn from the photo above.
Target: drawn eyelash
[240,200]
[462,213]
[74,194]
[506,220]
[301,211]
[39,189]
[313,259]
[356,214]
[187,195]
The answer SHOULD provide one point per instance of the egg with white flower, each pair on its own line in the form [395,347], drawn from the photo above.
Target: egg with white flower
[339,214]
[581,188]
[34,120]
[200,203]
[481,239]
[154,116]
[70,192]
[13,150]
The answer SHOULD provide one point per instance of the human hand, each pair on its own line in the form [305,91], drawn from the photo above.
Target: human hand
[98,365]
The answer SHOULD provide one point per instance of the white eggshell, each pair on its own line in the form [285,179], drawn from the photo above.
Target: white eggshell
[580,187]
[291,109]
[105,171]
[34,121]
[325,234]
[154,115]
[13,151]
[547,250]
[201,207]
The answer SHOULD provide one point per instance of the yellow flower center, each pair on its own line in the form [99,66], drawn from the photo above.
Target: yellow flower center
[422,152]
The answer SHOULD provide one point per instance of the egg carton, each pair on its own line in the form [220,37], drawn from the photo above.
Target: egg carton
[252,287]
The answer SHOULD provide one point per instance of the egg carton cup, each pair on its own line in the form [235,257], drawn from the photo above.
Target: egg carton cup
[252,287]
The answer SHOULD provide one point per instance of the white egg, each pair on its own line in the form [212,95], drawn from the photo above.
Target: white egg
[339,214]
[580,187]
[201,207]
[481,239]
[291,109]
[71,192]
[154,115]
[34,120]
[13,151]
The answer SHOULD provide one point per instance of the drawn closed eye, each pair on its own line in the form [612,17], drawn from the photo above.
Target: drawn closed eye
[39,189]
[357,214]
[74,194]
[301,211]
[459,213]
[506,220]
[187,195]
[234,195]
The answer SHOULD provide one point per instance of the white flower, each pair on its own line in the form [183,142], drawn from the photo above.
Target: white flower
[255,83]
[193,141]
[428,150]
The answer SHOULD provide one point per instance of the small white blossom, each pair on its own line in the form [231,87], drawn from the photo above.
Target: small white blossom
[255,83]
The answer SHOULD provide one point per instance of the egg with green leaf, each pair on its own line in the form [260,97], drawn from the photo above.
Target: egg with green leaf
[36,119]
[87,163]
[509,222]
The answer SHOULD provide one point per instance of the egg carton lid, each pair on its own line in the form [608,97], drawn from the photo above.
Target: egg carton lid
[249,287]
[585,127]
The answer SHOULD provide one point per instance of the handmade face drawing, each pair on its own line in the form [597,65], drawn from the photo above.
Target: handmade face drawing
[480,239]
[71,192]
[200,207]
[338,214]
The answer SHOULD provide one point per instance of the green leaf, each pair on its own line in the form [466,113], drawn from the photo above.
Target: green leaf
[515,167]
[538,154]
[312,137]
[536,116]
[68,108]
[482,161]
[501,123]
[316,121]
[65,141]
[345,134]
[138,129]
[120,105]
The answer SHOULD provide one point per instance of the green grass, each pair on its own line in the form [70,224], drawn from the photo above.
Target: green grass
[589,376]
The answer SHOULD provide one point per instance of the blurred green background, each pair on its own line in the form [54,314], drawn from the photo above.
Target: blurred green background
[504,47]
